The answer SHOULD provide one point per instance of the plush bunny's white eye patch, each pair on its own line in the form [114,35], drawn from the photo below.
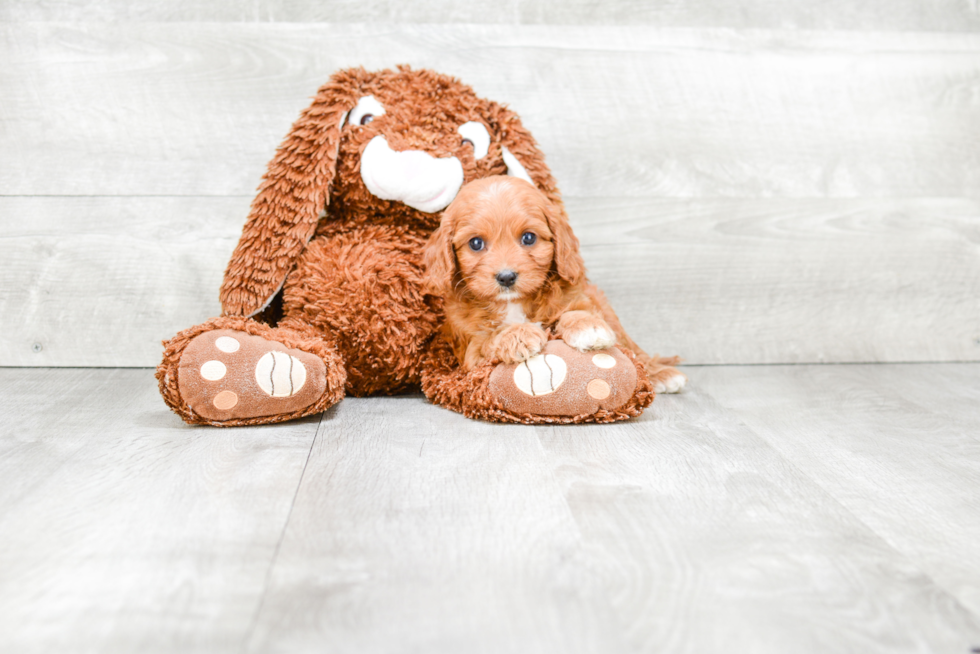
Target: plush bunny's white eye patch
[366,110]
[476,134]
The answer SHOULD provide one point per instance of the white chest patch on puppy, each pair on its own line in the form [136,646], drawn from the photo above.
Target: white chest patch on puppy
[514,314]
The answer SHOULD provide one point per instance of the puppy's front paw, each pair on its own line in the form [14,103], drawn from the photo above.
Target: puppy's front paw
[519,343]
[585,331]
[591,338]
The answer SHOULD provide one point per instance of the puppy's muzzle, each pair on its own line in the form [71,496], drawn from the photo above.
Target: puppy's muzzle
[506,278]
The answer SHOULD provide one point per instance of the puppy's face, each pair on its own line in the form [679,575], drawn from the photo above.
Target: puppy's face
[502,239]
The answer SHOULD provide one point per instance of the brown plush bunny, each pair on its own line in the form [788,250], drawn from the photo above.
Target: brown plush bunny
[323,295]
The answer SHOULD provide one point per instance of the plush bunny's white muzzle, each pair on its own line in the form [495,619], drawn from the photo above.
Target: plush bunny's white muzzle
[418,179]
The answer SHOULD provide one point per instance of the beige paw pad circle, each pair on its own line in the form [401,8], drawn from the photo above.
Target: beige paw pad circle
[603,360]
[598,389]
[227,344]
[279,374]
[225,400]
[213,370]
[540,375]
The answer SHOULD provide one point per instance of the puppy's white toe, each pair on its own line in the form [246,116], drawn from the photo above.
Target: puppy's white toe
[591,338]
[674,384]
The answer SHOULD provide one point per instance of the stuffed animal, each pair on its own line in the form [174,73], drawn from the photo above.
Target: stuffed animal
[323,295]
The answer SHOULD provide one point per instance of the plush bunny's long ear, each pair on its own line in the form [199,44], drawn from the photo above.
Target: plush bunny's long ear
[521,153]
[524,159]
[294,191]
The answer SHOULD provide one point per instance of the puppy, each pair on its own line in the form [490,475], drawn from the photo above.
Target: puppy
[507,265]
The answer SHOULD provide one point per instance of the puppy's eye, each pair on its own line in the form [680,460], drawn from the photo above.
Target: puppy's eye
[476,244]
[528,238]
[468,142]
[366,118]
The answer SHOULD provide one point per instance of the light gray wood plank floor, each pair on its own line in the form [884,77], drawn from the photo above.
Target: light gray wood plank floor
[766,509]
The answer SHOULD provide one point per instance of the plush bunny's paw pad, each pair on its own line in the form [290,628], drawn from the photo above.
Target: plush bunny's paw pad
[227,374]
[562,381]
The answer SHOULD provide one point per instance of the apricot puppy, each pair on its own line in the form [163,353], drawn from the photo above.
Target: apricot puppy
[508,267]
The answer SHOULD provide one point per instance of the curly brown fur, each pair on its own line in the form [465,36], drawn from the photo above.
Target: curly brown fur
[354,274]
[317,168]
[344,264]
[362,286]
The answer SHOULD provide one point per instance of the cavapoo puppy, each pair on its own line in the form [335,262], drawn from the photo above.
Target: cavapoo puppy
[508,266]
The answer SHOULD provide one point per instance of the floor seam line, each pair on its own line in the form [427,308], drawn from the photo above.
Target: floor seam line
[282,534]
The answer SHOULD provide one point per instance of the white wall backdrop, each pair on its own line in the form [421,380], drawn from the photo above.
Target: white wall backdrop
[751,182]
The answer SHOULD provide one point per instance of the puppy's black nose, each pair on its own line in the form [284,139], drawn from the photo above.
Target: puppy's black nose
[506,278]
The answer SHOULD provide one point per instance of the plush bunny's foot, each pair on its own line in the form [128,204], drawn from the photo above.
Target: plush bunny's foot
[564,381]
[245,376]
[559,385]
[227,374]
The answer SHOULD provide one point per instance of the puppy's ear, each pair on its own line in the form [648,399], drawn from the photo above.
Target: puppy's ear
[439,258]
[293,193]
[568,260]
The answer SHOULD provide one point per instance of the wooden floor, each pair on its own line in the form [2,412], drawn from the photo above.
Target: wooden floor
[766,509]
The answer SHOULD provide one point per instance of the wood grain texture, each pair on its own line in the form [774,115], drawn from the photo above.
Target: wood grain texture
[743,196]
[623,111]
[682,531]
[708,540]
[898,446]
[124,530]
[807,509]
[418,530]
[911,15]
[101,281]
[790,281]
